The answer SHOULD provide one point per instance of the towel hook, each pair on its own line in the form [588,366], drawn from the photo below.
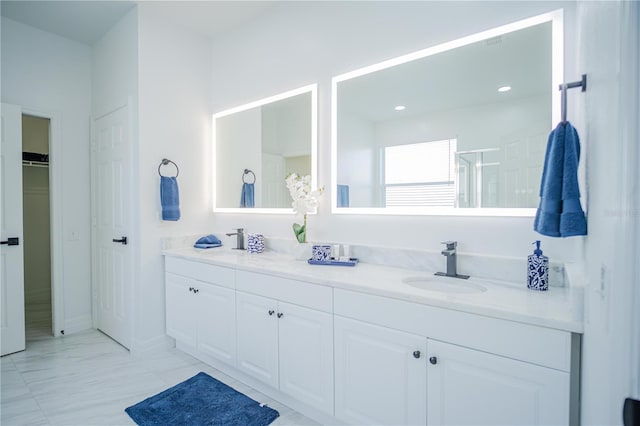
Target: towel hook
[246,172]
[563,88]
[165,162]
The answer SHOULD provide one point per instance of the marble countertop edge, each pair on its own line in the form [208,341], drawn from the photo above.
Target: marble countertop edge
[558,308]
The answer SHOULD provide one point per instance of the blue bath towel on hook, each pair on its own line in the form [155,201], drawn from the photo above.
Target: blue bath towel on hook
[560,213]
[169,198]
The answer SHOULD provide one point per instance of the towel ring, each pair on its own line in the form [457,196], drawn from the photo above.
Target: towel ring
[165,162]
[246,172]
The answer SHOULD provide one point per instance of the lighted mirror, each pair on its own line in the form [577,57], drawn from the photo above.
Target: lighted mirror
[257,145]
[459,128]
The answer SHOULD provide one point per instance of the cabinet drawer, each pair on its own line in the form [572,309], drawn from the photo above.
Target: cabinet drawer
[538,345]
[288,290]
[201,271]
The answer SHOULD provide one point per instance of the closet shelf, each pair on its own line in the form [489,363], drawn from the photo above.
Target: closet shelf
[35,164]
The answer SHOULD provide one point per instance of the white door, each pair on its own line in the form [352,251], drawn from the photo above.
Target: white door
[257,326]
[11,254]
[113,225]
[380,374]
[469,387]
[216,312]
[306,355]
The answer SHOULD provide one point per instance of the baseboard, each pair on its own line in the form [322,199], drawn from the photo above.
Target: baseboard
[77,324]
[141,347]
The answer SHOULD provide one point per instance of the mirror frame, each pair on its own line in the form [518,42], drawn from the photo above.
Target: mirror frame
[557,75]
[313,89]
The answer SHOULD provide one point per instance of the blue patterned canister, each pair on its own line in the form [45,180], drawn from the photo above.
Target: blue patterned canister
[538,270]
[321,253]
[255,243]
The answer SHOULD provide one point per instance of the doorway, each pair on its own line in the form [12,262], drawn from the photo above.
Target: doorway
[36,227]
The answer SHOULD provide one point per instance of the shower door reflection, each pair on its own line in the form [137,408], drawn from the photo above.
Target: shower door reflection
[477,178]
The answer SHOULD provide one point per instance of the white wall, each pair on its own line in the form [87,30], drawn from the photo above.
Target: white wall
[301,43]
[175,123]
[608,116]
[52,75]
[115,66]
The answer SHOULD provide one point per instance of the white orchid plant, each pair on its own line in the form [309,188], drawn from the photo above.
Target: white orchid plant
[305,200]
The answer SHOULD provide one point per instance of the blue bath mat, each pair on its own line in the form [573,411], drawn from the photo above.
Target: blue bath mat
[201,400]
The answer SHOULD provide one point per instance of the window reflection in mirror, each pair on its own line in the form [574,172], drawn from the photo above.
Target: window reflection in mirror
[458,126]
[257,145]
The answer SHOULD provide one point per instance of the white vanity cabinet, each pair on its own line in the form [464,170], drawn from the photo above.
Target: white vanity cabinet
[285,339]
[470,387]
[200,313]
[380,373]
[399,363]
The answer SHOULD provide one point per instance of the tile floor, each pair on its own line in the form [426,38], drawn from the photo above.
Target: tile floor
[87,379]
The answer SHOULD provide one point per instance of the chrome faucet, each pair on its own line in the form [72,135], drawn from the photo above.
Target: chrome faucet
[452,259]
[239,238]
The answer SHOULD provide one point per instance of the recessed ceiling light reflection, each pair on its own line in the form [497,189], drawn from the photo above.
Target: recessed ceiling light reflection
[504,89]
[399,107]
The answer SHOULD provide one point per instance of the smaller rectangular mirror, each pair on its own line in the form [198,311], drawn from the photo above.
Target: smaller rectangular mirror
[255,147]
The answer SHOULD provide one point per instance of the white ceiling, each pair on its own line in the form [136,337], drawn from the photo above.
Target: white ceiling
[87,21]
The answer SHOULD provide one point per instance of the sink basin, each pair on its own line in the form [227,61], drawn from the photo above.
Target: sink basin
[444,285]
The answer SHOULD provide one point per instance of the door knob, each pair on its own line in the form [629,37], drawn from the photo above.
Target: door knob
[11,241]
[433,360]
[122,240]
[416,354]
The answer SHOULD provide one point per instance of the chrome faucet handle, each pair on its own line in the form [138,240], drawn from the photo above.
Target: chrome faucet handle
[450,244]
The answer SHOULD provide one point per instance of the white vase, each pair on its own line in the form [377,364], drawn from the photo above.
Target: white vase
[302,251]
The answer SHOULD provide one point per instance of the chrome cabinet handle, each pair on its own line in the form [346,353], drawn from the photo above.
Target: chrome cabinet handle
[433,360]
[280,314]
[271,312]
[416,354]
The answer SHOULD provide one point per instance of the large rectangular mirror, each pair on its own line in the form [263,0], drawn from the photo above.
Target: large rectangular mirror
[257,145]
[459,128]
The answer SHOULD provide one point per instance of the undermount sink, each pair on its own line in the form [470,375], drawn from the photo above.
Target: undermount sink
[444,285]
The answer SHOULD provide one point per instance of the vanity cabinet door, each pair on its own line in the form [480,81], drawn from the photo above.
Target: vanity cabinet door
[306,355]
[257,326]
[181,318]
[216,308]
[380,374]
[470,387]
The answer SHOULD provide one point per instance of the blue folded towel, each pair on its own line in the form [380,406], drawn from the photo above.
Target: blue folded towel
[169,198]
[208,241]
[560,213]
[343,195]
[247,197]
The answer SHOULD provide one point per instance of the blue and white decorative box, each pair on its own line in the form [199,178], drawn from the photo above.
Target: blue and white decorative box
[321,253]
[255,243]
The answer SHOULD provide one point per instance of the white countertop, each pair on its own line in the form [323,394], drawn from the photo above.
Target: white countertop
[559,307]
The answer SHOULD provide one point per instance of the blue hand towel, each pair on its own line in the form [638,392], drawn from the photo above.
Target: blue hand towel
[343,195]
[247,197]
[169,198]
[208,241]
[560,213]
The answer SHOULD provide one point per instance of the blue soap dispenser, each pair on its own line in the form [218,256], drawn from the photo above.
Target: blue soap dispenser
[538,270]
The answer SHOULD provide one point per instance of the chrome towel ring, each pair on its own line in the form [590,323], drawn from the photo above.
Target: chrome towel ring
[246,172]
[166,162]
